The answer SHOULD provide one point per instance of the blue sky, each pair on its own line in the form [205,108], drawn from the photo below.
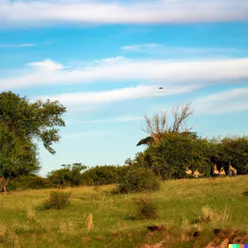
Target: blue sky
[105,60]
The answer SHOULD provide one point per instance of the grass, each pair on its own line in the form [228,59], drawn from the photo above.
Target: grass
[188,208]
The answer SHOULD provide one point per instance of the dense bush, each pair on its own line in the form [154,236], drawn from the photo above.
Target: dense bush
[57,200]
[234,150]
[69,175]
[29,182]
[169,157]
[138,179]
[101,175]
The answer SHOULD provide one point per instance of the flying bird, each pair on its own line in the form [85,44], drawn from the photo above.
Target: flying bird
[160,88]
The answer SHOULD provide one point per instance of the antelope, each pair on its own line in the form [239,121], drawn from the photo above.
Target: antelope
[197,174]
[231,170]
[215,171]
[222,172]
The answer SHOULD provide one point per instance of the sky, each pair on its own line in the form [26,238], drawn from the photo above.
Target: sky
[105,61]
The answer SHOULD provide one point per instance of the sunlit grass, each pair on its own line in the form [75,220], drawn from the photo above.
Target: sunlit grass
[219,203]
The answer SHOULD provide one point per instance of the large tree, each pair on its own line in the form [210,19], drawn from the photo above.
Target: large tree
[22,123]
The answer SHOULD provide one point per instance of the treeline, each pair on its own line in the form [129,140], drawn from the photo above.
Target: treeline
[167,159]
[171,150]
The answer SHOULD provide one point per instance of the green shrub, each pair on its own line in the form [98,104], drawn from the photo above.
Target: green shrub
[146,209]
[29,182]
[103,175]
[169,157]
[138,179]
[57,200]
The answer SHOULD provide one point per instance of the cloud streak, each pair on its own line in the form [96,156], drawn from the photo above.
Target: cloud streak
[78,135]
[55,12]
[104,97]
[16,46]
[112,120]
[223,102]
[159,49]
[164,72]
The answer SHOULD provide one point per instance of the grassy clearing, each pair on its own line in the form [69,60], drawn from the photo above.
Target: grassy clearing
[188,208]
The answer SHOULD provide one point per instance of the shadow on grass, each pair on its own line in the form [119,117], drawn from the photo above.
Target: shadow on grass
[245,193]
[131,218]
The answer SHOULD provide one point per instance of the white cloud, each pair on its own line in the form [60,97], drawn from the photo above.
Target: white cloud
[116,119]
[141,47]
[98,98]
[16,46]
[78,135]
[224,102]
[48,72]
[47,65]
[160,49]
[22,13]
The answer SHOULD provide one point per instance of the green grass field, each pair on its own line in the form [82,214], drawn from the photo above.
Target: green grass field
[223,203]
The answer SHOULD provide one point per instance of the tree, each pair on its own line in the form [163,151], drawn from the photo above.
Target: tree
[157,126]
[168,157]
[233,150]
[69,175]
[21,124]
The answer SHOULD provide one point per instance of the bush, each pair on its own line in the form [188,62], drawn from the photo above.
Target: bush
[29,182]
[138,179]
[169,157]
[57,200]
[103,175]
[146,209]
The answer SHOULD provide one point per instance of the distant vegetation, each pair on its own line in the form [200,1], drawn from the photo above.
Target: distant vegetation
[173,151]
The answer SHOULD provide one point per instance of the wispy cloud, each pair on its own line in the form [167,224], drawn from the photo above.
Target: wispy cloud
[22,13]
[79,135]
[16,45]
[48,72]
[224,102]
[160,49]
[98,98]
[141,47]
[116,119]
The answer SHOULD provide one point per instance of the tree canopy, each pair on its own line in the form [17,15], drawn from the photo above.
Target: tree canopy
[22,123]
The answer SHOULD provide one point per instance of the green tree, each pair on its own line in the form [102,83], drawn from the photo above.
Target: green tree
[22,123]
[69,175]
[230,149]
[169,157]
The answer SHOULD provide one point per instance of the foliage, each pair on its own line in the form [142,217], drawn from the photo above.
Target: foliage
[22,122]
[138,179]
[146,209]
[233,150]
[69,175]
[29,182]
[101,175]
[57,200]
[169,157]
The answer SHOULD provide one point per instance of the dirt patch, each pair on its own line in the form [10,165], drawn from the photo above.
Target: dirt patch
[225,237]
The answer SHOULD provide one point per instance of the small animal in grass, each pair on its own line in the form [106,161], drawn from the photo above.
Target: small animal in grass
[188,171]
[222,172]
[90,224]
[197,174]
[215,171]
[231,170]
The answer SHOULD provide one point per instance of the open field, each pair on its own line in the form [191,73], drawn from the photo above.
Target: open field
[179,204]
